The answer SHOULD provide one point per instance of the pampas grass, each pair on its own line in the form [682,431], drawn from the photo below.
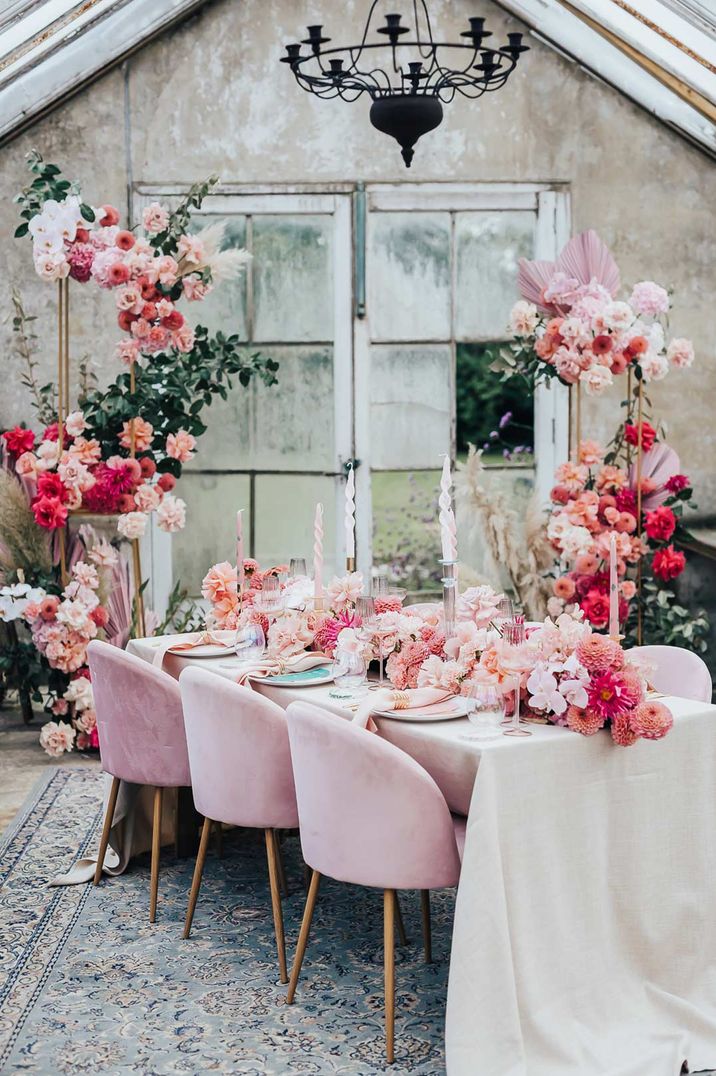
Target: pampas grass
[497,523]
[23,545]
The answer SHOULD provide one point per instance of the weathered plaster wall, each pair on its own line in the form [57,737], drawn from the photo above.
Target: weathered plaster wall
[211,96]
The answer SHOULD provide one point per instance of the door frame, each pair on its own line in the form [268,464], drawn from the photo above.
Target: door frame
[551,204]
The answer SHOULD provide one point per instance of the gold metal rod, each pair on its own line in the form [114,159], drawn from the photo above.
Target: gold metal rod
[138,598]
[629,392]
[570,419]
[132,433]
[63,557]
[676,85]
[578,432]
[66,349]
[640,410]
[60,365]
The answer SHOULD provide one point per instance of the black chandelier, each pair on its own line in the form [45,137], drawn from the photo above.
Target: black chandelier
[407,100]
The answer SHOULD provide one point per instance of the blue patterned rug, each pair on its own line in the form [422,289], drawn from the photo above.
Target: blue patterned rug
[88,986]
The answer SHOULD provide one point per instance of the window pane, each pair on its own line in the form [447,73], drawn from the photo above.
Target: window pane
[210,534]
[410,405]
[406,533]
[408,276]
[293,278]
[224,309]
[492,414]
[227,444]
[294,420]
[488,248]
[285,508]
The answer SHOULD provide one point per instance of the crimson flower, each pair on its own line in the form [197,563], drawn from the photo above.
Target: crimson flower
[648,435]
[49,512]
[677,483]
[668,563]
[19,440]
[660,524]
[49,484]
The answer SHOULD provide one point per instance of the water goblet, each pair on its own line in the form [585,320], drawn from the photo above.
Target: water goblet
[505,612]
[268,600]
[250,643]
[297,567]
[349,673]
[511,703]
[485,711]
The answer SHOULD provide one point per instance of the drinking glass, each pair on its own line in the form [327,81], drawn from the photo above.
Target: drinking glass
[505,612]
[250,643]
[349,672]
[485,711]
[365,608]
[297,567]
[268,600]
[511,703]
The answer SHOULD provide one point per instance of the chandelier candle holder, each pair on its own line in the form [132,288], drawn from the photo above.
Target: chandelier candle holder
[419,75]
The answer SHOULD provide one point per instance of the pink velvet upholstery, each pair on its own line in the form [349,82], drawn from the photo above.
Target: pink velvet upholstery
[139,719]
[238,753]
[369,814]
[678,671]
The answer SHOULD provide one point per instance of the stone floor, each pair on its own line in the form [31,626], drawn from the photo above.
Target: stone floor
[22,761]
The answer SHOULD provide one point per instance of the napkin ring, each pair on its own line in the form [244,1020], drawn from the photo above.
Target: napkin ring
[401,700]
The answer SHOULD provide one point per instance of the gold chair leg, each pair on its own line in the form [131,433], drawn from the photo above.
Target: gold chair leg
[272,857]
[196,880]
[403,937]
[303,935]
[389,959]
[279,864]
[156,845]
[107,828]
[427,929]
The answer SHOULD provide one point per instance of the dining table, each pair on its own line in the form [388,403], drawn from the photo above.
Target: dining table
[584,937]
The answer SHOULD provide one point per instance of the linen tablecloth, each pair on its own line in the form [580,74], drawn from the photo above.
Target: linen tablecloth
[585,933]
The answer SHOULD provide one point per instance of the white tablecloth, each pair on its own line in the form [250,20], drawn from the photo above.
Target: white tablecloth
[585,935]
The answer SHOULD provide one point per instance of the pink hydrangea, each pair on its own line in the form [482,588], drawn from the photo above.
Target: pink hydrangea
[649,299]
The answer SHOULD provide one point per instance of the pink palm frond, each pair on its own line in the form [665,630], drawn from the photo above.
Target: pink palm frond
[119,605]
[587,258]
[532,279]
[659,464]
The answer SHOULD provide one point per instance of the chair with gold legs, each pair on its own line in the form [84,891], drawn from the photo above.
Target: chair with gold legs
[241,774]
[372,816]
[141,738]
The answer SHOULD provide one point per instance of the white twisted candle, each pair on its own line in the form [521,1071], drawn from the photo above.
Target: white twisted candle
[240,553]
[350,518]
[318,553]
[448,528]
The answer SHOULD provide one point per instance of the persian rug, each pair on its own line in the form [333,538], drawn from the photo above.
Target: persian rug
[87,985]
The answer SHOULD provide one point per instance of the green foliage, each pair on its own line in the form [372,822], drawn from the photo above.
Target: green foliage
[168,240]
[667,622]
[173,390]
[183,613]
[47,183]
[44,397]
[483,399]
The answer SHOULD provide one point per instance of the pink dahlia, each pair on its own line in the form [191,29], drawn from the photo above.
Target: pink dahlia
[586,722]
[123,474]
[652,720]
[327,635]
[404,665]
[598,653]
[80,257]
[632,687]
[606,695]
[622,732]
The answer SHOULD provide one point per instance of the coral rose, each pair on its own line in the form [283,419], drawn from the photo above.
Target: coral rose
[564,588]
[110,216]
[181,445]
[166,482]
[668,563]
[124,240]
[143,433]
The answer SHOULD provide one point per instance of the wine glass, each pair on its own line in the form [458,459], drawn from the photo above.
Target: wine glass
[250,643]
[297,567]
[349,673]
[505,612]
[268,600]
[511,704]
[485,710]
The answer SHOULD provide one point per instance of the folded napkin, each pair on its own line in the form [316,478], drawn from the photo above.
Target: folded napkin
[421,701]
[277,666]
[198,638]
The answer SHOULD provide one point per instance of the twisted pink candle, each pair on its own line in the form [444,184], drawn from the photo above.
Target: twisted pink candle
[350,519]
[318,553]
[613,587]
[240,553]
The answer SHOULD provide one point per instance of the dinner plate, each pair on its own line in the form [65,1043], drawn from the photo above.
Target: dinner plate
[460,709]
[308,678]
[205,650]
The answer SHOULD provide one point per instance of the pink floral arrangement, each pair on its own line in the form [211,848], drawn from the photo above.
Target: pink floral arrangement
[62,627]
[570,325]
[63,478]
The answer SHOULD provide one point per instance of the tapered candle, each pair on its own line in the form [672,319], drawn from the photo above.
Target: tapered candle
[318,553]
[613,587]
[448,528]
[240,553]
[350,518]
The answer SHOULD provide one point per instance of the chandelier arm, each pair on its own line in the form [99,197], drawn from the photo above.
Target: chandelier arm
[430,46]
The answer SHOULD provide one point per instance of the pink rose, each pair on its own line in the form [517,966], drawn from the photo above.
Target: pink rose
[183,339]
[147,498]
[155,218]
[56,738]
[129,298]
[680,353]
[171,514]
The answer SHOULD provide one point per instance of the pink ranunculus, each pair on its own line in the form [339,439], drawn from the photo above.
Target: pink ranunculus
[180,445]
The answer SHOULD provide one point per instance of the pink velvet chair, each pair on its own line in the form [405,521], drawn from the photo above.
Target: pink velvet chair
[240,773]
[141,737]
[678,671]
[369,815]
